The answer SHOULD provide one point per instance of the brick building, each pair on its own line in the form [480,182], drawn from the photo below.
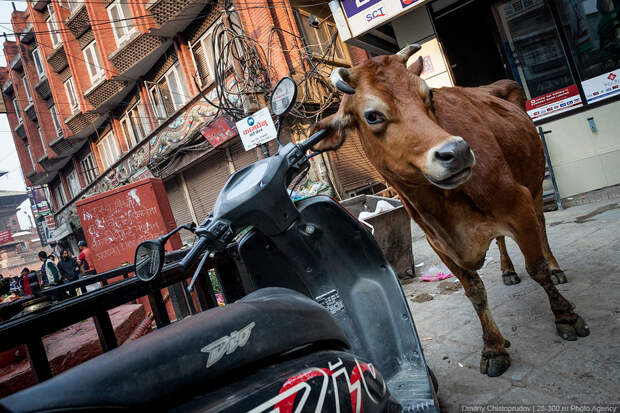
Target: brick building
[104,92]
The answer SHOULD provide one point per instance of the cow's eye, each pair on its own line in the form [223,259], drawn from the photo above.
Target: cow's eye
[373,117]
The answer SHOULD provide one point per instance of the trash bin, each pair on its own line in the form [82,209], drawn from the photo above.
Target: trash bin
[391,229]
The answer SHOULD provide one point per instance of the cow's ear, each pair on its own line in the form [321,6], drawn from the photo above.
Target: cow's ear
[337,126]
[417,66]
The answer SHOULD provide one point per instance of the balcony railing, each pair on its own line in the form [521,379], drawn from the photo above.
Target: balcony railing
[20,130]
[16,63]
[138,56]
[27,35]
[175,15]
[78,22]
[58,59]
[39,5]
[7,87]
[105,95]
[67,146]
[43,88]
[83,124]
[31,112]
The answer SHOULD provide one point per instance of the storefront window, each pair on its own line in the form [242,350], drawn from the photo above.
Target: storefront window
[534,51]
[592,29]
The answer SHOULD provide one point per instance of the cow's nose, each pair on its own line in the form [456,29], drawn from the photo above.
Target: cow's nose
[454,155]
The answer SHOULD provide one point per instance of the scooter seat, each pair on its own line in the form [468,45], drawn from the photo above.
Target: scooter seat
[188,358]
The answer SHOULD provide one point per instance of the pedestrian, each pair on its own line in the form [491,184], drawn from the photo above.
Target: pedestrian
[30,282]
[55,248]
[85,259]
[51,271]
[68,266]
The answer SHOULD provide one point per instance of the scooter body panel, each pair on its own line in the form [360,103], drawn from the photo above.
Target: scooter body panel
[329,256]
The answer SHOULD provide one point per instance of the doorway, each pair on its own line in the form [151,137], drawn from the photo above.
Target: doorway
[467,32]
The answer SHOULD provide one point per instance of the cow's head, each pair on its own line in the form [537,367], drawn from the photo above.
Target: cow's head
[391,109]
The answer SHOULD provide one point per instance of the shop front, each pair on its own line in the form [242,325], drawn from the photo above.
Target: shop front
[564,53]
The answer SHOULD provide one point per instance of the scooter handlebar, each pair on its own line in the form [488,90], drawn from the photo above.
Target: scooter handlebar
[314,139]
[194,252]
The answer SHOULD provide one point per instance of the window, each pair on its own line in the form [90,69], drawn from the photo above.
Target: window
[202,51]
[31,157]
[108,150]
[91,55]
[120,18]
[38,63]
[55,119]
[70,89]
[52,26]
[43,144]
[592,31]
[17,111]
[74,183]
[319,39]
[27,89]
[135,125]
[89,168]
[536,57]
[59,195]
[168,94]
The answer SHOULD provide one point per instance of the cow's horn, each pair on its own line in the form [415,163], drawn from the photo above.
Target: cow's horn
[407,52]
[337,78]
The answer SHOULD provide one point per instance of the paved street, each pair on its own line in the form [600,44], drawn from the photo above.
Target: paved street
[545,369]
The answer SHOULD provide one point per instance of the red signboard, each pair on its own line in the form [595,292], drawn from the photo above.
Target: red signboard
[553,102]
[5,236]
[219,131]
[49,222]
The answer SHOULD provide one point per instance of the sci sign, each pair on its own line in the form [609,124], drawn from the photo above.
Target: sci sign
[256,129]
[363,15]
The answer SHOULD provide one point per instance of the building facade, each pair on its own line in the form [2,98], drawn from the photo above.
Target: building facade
[564,53]
[102,93]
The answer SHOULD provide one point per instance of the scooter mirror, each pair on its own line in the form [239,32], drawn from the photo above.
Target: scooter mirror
[283,96]
[149,260]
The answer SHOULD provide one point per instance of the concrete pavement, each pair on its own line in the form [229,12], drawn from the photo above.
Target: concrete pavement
[545,369]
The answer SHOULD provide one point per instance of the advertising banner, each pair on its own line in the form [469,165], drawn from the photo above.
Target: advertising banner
[363,15]
[256,129]
[219,131]
[5,236]
[554,102]
[602,87]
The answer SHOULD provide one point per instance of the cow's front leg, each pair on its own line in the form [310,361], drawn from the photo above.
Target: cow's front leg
[495,359]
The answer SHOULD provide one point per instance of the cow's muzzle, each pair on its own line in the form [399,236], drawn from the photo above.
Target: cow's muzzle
[450,163]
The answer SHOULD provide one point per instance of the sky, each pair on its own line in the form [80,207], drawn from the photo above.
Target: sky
[14,180]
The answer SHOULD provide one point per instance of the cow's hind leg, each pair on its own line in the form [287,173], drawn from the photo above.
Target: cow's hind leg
[495,359]
[509,275]
[527,233]
[557,275]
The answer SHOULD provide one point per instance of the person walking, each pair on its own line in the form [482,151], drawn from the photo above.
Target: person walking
[51,272]
[85,259]
[68,266]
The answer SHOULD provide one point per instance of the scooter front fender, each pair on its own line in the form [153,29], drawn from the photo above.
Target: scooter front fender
[329,256]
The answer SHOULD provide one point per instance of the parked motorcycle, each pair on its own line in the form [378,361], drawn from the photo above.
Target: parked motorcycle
[327,327]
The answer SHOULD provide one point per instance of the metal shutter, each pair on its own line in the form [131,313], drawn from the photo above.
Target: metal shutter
[204,182]
[242,158]
[178,204]
[353,168]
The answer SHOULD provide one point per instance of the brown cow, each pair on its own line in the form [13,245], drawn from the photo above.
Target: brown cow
[467,164]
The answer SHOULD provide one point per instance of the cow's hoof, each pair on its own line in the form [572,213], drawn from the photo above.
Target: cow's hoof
[571,330]
[511,278]
[494,364]
[558,277]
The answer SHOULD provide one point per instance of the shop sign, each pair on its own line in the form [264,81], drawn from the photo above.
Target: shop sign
[50,223]
[219,131]
[602,87]
[554,102]
[363,15]
[256,129]
[5,236]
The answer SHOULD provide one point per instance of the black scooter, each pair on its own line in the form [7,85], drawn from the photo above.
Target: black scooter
[326,329]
